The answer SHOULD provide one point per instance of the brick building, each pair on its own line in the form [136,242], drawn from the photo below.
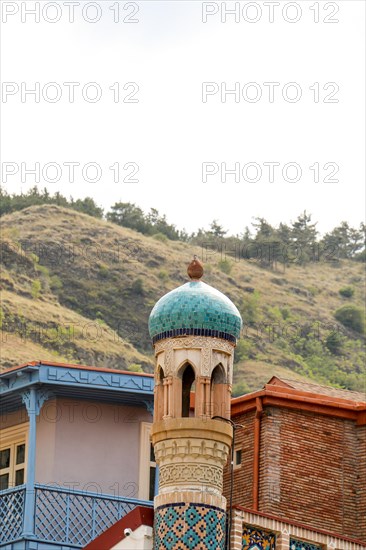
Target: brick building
[300,456]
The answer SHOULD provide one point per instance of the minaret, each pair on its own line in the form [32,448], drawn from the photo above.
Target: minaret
[194,330]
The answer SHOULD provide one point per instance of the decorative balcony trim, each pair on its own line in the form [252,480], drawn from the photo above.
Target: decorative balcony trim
[63,517]
[69,375]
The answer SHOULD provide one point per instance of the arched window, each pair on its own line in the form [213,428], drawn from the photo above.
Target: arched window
[161,375]
[160,406]
[188,378]
[218,375]
[218,392]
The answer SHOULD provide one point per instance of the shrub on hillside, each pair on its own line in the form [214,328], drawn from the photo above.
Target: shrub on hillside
[346,291]
[135,367]
[36,289]
[240,389]
[334,343]
[225,266]
[163,275]
[243,350]
[55,283]
[361,257]
[285,312]
[160,237]
[250,308]
[137,286]
[351,317]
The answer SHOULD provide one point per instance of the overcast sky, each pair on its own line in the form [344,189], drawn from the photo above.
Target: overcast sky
[292,134]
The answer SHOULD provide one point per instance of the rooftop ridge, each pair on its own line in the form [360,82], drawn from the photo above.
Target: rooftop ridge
[315,387]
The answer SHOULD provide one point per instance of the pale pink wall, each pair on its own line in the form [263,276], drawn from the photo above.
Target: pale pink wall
[81,443]
[45,446]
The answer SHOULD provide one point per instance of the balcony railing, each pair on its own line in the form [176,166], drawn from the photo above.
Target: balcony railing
[62,516]
[12,513]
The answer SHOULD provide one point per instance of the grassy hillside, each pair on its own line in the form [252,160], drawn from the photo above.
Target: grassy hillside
[81,289]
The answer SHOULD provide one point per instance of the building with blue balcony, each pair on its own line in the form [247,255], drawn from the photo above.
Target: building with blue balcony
[74,453]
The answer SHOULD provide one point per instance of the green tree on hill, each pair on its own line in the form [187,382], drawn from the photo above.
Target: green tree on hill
[217,230]
[344,240]
[19,201]
[297,243]
[304,236]
[132,216]
[128,215]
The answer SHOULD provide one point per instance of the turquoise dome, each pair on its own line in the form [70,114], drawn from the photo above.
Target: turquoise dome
[195,308]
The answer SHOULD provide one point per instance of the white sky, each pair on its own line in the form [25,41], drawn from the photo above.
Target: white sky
[170,132]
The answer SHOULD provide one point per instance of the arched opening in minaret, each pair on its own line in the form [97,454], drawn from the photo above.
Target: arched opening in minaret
[188,379]
[218,375]
[218,397]
[161,405]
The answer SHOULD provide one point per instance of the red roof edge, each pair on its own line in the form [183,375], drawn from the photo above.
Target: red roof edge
[298,524]
[141,515]
[275,381]
[286,393]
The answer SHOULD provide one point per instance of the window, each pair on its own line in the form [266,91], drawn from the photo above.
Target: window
[188,378]
[13,456]
[152,473]
[219,398]
[237,458]
[147,477]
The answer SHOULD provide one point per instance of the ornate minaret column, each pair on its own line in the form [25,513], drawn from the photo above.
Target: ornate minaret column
[194,330]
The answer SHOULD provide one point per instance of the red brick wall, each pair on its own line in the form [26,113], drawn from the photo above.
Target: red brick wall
[312,469]
[243,477]
[361,481]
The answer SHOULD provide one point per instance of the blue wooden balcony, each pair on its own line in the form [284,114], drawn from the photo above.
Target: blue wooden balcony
[60,519]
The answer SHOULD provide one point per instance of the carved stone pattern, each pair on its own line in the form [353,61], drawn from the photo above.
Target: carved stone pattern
[206,344]
[205,451]
[182,474]
[168,360]
[206,360]
[194,342]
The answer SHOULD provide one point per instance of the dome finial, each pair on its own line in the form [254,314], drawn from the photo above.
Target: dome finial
[195,269]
